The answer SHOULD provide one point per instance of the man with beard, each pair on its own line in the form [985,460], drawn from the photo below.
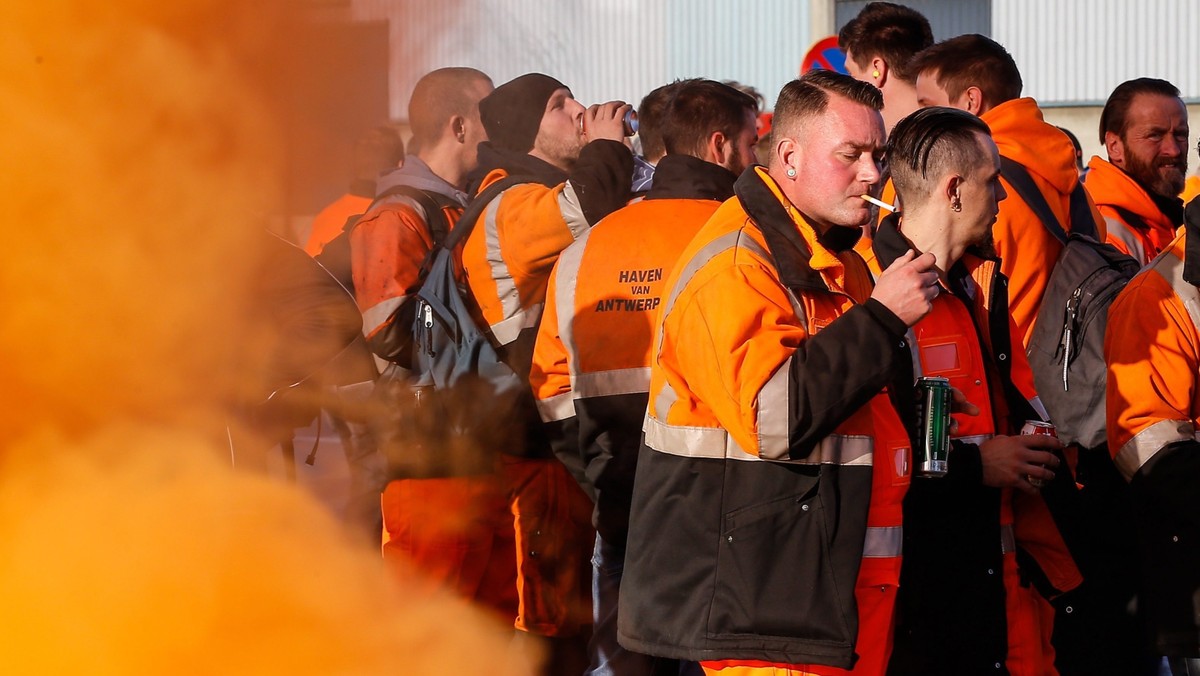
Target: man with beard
[1144,128]
[572,169]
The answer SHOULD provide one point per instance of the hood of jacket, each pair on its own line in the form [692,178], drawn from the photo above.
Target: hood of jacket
[1109,185]
[416,174]
[1022,134]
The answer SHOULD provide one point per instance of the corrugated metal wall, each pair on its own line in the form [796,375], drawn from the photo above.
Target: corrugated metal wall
[614,49]
[1071,52]
[1074,52]
[758,43]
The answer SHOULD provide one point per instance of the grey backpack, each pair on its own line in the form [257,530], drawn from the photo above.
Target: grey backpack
[1066,349]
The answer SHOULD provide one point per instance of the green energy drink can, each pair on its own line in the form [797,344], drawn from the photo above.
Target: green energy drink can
[933,412]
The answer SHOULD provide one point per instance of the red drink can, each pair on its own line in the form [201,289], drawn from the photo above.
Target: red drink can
[1038,427]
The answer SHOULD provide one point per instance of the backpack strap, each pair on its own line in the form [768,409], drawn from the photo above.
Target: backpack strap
[466,222]
[435,217]
[1081,213]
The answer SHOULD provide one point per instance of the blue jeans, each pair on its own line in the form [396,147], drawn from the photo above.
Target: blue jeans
[606,656]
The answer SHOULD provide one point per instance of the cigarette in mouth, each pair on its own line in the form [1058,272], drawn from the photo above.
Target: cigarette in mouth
[879,203]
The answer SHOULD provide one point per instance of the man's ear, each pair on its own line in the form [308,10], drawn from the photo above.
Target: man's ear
[879,71]
[717,148]
[458,128]
[974,101]
[789,153]
[952,190]
[1115,148]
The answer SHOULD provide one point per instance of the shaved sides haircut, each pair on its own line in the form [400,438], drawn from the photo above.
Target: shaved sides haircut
[929,144]
[803,99]
[651,112]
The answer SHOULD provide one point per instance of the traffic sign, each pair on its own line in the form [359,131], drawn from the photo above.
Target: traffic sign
[825,54]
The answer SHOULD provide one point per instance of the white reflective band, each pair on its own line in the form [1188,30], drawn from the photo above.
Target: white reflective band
[701,258]
[506,287]
[665,400]
[1138,450]
[883,542]
[610,383]
[566,278]
[797,307]
[1170,268]
[507,330]
[1119,231]
[773,403]
[696,442]
[572,211]
[558,407]
[599,384]
[1008,539]
[1038,406]
[976,439]
[714,442]
[378,314]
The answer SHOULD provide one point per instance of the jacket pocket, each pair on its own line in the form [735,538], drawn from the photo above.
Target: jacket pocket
[774,576]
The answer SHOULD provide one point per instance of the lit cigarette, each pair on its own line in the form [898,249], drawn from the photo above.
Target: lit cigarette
[879,203]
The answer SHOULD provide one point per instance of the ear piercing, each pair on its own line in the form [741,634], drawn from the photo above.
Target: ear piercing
[791,172]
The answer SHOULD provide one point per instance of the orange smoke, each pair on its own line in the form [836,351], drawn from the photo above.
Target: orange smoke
[142,160]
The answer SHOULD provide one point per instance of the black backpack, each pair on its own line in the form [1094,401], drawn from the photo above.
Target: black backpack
[335,256]
[1066,349]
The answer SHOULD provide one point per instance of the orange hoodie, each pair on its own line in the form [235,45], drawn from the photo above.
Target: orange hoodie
[1114,190]
[1026,249]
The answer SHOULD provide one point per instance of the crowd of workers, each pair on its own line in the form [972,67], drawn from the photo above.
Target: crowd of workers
[721,355]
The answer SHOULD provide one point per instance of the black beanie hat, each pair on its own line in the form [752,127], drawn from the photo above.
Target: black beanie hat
[512,113]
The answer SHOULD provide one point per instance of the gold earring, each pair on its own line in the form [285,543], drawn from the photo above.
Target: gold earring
[875,74]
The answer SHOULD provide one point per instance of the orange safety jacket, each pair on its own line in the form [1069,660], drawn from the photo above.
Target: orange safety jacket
[1026,249]
[1152,348]
[455,530]
[1136,224]
[773,468]
[591,362]
[328,222]
[963,608]
[387,247]
[507,259]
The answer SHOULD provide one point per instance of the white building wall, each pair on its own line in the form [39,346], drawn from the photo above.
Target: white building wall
[603,50]
[1074,52]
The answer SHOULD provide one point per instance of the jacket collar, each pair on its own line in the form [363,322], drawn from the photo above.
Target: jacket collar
[687,177]
[793,256]
[492,158]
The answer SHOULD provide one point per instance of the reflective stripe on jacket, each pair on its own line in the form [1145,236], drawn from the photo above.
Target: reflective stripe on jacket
[591,362]
[1152,348]
[387,247]
[753,506]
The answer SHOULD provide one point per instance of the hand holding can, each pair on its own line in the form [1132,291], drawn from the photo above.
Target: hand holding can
[1037,427]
